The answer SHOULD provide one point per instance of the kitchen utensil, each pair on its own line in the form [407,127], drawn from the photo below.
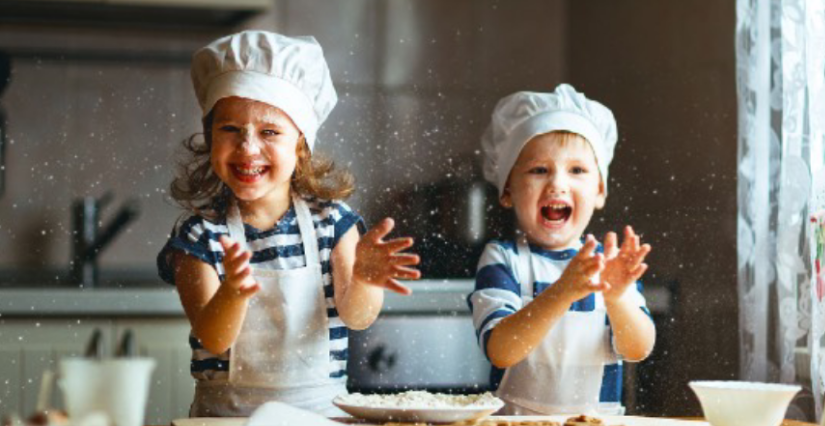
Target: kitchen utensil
[45,392]
[736,403]
[118,387]
[418,414]
[94,348]
[126,347]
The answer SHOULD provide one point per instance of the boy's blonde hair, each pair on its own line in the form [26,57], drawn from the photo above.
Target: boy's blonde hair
[198,189]
[566,138]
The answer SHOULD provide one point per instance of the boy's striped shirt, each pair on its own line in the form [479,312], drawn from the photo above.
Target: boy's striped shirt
[497,295]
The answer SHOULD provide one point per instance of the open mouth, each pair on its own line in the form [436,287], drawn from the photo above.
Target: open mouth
[556,213]
[249,173]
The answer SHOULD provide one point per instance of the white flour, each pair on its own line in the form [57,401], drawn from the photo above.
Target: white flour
[420,399]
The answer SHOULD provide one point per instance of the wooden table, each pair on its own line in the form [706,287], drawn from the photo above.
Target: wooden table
[784,422]
[350,421]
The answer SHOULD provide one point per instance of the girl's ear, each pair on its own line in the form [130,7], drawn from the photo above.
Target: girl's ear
[303,154]
[506,200]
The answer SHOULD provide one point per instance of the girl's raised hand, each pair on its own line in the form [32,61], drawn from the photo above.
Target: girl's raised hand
[623,265]
[237,270]
[381,263]
[576,280]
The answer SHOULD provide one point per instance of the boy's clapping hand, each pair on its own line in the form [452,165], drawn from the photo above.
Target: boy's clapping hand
[576,280]
[380,263]
[237,270]
[623,266]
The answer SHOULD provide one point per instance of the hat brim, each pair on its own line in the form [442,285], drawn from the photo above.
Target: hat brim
[267,89]
[545,123]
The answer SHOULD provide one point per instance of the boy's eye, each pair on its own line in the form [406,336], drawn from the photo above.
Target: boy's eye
[538,170]
[270,132]
[228,128]
[576,170]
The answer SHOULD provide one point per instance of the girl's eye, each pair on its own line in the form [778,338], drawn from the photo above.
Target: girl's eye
[270,132]
[576,170]
[538,170]
[228,128]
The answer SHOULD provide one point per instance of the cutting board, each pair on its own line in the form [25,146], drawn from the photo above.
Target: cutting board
[609,420]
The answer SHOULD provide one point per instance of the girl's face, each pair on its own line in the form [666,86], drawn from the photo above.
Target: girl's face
[254,148]
[554,187]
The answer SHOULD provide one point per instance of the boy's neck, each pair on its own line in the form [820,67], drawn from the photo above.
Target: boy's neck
[574,245]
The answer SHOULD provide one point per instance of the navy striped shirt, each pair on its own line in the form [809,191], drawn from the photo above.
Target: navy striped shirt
[497,294]
[279,248]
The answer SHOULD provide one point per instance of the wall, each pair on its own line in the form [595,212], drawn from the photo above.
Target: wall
[90,111]
[667,69]
[416,80]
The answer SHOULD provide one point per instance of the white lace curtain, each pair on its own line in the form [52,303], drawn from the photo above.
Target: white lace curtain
[780,58]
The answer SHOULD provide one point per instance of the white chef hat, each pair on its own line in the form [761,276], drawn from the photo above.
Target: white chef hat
[286,72]
[523,115]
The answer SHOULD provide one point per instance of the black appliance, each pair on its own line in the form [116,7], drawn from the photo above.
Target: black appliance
[5,77]
[451,221]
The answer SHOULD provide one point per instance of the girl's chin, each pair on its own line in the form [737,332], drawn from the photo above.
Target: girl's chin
[248,194]
[251,193]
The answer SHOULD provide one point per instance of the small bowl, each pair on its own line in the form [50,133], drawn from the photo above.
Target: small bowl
[735,403]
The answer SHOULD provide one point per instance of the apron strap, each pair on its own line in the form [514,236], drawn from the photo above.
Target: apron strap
[307,229]
[235,224]
[305,226]
[525,267]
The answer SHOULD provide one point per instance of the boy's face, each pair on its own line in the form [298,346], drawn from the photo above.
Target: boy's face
[253,148]
[554,187]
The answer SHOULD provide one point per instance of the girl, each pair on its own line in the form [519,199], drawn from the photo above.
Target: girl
[270,269]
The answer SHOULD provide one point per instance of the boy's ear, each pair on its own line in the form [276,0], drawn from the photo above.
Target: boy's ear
[506,200]
[601,197]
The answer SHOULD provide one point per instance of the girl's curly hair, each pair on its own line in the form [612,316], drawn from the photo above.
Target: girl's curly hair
[198,189]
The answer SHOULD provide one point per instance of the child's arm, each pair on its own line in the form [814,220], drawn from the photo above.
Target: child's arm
[518,334]
[633,330]
[216,310]
[363,267]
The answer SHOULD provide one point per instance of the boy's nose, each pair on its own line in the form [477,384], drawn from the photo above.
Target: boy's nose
[558,182]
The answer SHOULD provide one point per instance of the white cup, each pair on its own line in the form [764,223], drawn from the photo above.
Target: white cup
[117,387]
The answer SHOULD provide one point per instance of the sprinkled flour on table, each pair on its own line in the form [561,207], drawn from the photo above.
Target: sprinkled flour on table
[420,399]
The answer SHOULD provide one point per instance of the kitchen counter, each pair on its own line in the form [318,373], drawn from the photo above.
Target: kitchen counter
[429,297]
[434,296]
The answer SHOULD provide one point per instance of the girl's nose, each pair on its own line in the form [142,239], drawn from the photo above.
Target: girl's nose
[249,141]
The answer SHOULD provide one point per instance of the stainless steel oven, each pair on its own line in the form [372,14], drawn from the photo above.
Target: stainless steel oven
[425,342]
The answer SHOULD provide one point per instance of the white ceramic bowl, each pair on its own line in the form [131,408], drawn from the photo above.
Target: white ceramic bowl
[734,403]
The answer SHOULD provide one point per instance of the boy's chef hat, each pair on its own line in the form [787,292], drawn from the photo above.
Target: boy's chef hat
[285,72]
[523,115]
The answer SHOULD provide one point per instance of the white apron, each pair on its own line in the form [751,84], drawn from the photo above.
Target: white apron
[282,351]
[563,374]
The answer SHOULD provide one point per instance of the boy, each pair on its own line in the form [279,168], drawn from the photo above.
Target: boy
[553,312]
